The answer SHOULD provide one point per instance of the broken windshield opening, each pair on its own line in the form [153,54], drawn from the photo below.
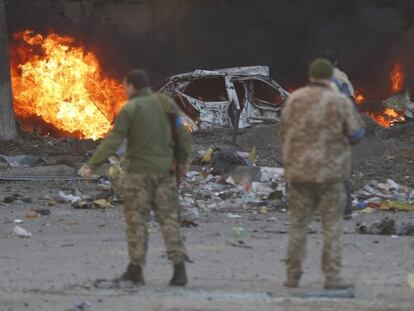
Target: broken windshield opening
[265,92]
[208,89]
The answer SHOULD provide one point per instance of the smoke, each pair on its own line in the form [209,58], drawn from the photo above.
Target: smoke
[368,36]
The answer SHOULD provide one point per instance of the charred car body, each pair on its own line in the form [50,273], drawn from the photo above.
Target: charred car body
[238,97]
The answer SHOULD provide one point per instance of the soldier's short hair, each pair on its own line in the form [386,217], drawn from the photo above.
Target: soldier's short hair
[138,78]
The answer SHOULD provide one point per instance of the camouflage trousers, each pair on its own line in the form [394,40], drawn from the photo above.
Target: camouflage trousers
[304,200]
[141,193]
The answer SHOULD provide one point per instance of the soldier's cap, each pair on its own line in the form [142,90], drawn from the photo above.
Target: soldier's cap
[321,69]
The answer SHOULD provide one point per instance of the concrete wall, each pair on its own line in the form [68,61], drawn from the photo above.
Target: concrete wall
[128,16]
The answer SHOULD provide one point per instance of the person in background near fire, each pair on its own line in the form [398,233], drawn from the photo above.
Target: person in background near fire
[340,80]
[317,160]
[342,85]
[156,142]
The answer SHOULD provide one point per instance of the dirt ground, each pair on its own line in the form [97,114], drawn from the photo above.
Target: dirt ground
[71,248]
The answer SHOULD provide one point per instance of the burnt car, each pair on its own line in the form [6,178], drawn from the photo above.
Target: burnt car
[239,97]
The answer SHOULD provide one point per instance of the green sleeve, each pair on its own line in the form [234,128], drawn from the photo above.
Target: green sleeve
[183,144]
[113,141]
[183,147]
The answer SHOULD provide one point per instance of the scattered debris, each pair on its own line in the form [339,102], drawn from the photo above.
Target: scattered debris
[187,223]
[81,306]
[386,226]
[92,204]
[239,189]
[230,215]
[402,103]
[22,160]
[189,214]
[262,210]
[238,232]
[101,203]
[31,213]
[18,221]
[21,232]
[11,198]
[224,161]
[70,198]
[385,196]
[43,211]
[240,244]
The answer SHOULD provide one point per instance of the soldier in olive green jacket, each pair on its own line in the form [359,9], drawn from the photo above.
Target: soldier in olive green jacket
[158,147]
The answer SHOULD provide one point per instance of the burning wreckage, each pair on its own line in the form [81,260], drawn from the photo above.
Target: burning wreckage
[239,97]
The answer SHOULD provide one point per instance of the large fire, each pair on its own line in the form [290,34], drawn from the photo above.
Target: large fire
[388,116]
[62,83]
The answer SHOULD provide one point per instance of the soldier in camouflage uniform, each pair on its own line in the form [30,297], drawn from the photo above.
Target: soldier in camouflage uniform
[317,127]
[157,144]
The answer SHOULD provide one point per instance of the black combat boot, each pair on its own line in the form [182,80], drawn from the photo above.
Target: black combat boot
[180,276]
[134,274]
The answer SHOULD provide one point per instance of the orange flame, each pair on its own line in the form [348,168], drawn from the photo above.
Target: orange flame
[359,98]
[63,84]
[388,117]
[397,78]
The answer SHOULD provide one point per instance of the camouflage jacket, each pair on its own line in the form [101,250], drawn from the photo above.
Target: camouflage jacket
[317,128]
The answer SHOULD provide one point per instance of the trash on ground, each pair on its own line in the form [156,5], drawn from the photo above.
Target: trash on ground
[392,205]
[81,306]
[224,161]
[43,211]
[240,244]
[21,160]
[70,198]
[31,213]
[262,210]
[386,226]
[11,198]
[207,156]
[102,203]
[230,215]
[92,204]
[238,232]
[21,232]
[187,223]
[18,221]
[384,196]
[240,189]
